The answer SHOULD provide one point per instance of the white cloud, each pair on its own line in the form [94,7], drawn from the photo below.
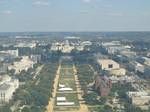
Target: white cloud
[41,3]
[87,1]
[7,12]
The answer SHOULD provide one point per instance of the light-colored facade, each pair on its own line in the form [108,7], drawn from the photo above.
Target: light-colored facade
[118,72]
[30,45]
[137,67]
[14,53]
[122,79]
[7,88]
[67,47]
[111,67]
[24,64]
[35,58]
[79,48]
[141,99]
[115,47]
[128,53]
[86,43]
[108,64]
[146,61]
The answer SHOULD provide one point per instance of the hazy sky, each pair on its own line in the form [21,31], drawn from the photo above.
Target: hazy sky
[74,15]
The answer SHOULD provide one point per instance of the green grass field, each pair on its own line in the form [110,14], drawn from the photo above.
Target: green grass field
[67,79]
[66,73]
[68,82]
[70,97]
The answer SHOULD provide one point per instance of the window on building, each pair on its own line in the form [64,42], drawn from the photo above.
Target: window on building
[110,66]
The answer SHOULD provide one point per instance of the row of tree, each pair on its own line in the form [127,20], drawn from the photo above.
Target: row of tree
[35,94]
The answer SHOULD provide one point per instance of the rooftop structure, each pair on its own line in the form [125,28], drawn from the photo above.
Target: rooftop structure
[3,68]
[86,43]
[67,47]
[14,53]
[115,47]
[108,64]
[118,72]
[146,61]
[35,58]
[141,99]
[122,79]
[112,43]
[137,67]
[102,85]
[7,87]
[111,67]
[30,45]
[128,53]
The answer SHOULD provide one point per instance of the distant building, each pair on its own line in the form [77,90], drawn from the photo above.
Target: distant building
[140,99]
[8,55]
[30,45]
[79,48]
[14,53]
[112,43]
[7,88]
[2,57]
[56,46]
[143,60]
[140,68]
[102,85]
[3,68]
[120,58]
[128,53]
[64,47]
[72,37]
[108,64]
[148,54]
[35,58]
[115,47]
[110,67]
[67,47]
[86,43]
[24,64]
[137,67]
[118,72]
[121,79]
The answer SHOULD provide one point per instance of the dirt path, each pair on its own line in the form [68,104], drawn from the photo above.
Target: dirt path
[51,101]
[83,107]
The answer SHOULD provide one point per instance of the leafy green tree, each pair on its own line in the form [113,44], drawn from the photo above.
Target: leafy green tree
[103,100]
[5,109]
[91,98]
[131,108]
[26,109]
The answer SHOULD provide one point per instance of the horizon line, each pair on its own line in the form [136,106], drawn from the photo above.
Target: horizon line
[72,31]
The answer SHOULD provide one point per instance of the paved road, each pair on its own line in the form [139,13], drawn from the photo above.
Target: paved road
[37,72]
